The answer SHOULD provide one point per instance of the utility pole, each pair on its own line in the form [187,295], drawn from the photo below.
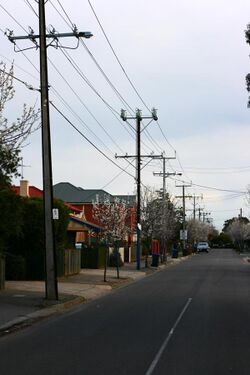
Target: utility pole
[138,117]
[183,196]
[240,215]
[51,275]
[199,210]
[204,214]
[165,174]
[194,203]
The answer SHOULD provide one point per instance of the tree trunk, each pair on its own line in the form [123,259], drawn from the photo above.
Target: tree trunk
[105,264]
[117,261]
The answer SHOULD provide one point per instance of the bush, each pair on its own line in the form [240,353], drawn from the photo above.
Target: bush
[15,267]
[30,243]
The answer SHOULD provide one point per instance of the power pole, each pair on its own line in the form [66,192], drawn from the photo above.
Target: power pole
[240,215]
[199,210]
[165,174]
[204,214]
[138,117]
[51,275]
[194,203]
[183,196]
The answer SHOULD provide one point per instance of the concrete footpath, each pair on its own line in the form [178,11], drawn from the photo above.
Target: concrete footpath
[22,303]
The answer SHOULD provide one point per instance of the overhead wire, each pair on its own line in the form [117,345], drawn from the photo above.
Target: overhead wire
[89,141]
[118,60]
[129,80]
[86,80]
[30,87]
[203,186]
[72,111]
[86,108]
[123,170]
[72,26]
[13,18]
[211,187]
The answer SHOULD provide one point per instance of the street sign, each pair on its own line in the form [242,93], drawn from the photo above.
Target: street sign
[55,213]
[183,234]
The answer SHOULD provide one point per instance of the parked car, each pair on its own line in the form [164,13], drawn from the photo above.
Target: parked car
[202,246]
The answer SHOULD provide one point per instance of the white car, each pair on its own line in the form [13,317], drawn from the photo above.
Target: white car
[202,246]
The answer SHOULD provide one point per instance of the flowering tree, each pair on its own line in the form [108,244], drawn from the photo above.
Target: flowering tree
[158,221]
[239,232]
[198,230]
[12,135]
[112,217]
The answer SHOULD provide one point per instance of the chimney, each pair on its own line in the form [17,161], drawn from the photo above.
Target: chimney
[24,188]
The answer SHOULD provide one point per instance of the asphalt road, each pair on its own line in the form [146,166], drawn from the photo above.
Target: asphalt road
[189,319]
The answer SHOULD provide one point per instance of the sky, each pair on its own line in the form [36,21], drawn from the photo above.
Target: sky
[188,59]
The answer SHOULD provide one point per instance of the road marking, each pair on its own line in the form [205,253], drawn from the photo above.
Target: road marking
[166,341]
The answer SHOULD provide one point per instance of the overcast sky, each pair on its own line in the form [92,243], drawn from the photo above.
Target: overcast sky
[188,59]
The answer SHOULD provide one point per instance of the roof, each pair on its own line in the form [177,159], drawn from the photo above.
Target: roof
[33,191]
[72,194]
[73,208]
[87,224]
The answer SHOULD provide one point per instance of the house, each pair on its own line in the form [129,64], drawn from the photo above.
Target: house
[84,199]
[79,228]
[25,190]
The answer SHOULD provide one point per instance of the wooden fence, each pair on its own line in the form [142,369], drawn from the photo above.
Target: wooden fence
[68,262]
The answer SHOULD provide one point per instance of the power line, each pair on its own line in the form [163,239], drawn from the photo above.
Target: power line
[218,168]
[27,2]
[213,188]
[19,67]
[84,105]
[80,119]
[29,87]
[21,51]
[115,113]
[31,7]
[71,25]
[218,189]
[64,11]
[13,18]
[89,141]
[118,60]
[124,102]
[153,142]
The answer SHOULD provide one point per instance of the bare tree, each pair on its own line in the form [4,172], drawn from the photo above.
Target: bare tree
[112,217]
[13,134]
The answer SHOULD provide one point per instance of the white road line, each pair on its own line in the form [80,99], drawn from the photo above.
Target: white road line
[166,341]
